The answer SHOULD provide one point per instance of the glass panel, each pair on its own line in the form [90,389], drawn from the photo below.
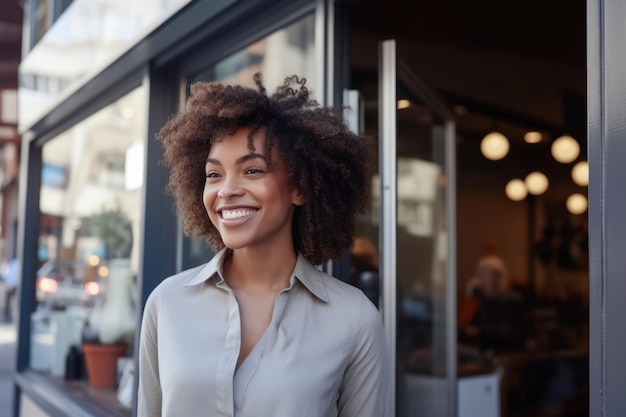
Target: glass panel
[288,51]
[90,203]
[421,232]
[88,36]
[43,17]
[416,145]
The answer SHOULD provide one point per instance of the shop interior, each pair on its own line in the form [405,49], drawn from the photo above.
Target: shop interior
[513,77]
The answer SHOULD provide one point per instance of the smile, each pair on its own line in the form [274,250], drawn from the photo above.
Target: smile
[237,214]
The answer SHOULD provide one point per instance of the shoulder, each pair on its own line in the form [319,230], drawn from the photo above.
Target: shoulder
[351,302]
[338,288]
[326,288]
[362,327]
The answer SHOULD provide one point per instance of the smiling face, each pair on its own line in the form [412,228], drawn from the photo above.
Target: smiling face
[249,202]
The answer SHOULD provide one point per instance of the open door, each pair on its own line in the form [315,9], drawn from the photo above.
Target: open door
[416,196]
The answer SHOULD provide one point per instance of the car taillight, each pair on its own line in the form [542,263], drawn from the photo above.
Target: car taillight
[92,288]
[46,284]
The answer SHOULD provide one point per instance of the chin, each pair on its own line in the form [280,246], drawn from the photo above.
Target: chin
[235,244]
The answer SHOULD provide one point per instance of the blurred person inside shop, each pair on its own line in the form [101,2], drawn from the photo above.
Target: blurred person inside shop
[492,315]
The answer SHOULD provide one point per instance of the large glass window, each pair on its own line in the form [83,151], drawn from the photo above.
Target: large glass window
[85,38]
[288,51]
[90,204]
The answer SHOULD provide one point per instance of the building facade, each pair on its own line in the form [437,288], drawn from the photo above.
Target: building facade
[429,82]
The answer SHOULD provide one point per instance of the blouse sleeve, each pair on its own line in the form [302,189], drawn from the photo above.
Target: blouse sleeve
[364,389]
[149,396]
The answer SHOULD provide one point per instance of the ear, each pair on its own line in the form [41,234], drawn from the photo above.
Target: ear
[297,198]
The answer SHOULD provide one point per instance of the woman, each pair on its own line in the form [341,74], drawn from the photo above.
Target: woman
[259,330]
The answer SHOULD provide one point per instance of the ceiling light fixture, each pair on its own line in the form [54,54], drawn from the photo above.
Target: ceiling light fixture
[580,173]
[533,137]
[576,203]
[516,190]
[565,149]
[403,104]
[494,146]
[536,183]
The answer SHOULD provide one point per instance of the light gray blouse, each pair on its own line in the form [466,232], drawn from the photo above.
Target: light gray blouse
[323,354]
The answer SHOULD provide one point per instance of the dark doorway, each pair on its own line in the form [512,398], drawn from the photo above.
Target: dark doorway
[511,68]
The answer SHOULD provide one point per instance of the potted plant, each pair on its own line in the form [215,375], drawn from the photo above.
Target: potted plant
[111,325]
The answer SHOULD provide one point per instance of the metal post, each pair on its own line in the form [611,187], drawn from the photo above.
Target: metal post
[388,197]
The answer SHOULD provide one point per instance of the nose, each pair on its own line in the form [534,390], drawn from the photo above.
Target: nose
[230,188]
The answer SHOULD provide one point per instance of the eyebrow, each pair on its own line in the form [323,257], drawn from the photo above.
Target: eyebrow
[239,161]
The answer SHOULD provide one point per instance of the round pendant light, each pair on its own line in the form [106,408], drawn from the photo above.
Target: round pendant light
[565,149]
[536,183]
[516,190]
[576,203]
[532,137]
[494,146]
[580,173]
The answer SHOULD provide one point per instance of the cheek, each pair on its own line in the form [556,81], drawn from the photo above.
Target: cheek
[208,199]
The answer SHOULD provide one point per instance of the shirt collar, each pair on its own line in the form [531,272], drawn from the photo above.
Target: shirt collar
[211,269]
[311,277]
[308,275]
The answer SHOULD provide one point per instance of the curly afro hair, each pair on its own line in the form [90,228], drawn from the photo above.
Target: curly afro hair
[324,159]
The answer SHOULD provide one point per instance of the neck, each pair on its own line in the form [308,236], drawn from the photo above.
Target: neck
[260,268]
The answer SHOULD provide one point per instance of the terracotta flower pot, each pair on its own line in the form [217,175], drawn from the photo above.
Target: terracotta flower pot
[101,362]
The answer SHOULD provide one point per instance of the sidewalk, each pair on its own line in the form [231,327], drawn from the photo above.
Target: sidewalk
[7,362]
[8,337]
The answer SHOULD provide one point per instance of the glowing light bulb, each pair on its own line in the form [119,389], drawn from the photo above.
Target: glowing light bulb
[516,190]
[565,149]
[576,203]
[533,137]
[93,260]
[403,104]
[494,146]
[580,173]
[536,183]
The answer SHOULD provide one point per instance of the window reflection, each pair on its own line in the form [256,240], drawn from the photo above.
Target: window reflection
[43,17]
[87,36]
[285,52]
[91,181]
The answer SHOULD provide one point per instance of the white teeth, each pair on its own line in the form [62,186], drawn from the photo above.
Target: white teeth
[236,214]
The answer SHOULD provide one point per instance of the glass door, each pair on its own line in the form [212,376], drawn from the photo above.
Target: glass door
[416,206]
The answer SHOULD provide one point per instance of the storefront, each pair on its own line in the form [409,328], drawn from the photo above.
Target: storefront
[98,233]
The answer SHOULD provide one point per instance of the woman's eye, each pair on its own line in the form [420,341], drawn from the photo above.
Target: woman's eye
[254,170]
[212,175]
